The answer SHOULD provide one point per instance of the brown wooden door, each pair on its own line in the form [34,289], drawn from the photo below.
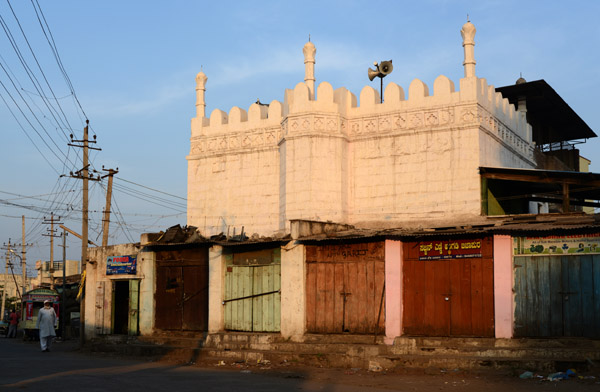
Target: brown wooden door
[181,295]
[169,289]
[449,292]
[195,294]
[344,288]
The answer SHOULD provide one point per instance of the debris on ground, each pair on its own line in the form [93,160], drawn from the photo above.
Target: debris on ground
[526,375]
[375,366]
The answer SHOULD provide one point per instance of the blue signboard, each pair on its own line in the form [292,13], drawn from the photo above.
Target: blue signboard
[121,265]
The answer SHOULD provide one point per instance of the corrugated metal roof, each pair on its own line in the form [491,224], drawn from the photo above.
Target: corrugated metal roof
[552,119]
[496,225]
[512,225]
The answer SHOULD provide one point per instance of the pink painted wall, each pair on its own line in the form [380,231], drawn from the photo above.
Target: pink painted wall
[393,290]
[503,285]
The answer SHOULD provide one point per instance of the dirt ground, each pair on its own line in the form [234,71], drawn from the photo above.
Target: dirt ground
[426,380]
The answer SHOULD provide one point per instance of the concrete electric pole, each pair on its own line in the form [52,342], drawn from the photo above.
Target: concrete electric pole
[84,175]
[52,235]
[106,220]
[5,280]
[24,246]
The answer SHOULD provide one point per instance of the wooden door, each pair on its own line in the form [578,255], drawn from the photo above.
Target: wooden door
[195,291]
[449,288]
[344,288]
[169,291]
[181,295]
[557,296]
[252,291]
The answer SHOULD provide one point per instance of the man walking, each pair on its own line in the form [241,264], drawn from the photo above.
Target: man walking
[12,326]
[45,322]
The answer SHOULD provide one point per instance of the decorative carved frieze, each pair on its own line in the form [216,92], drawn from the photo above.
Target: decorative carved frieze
[261,138]
[416,120]
[468,115]
[400,121]
[319,124]
[331,125]
[361,127]
[370,126]
[432,119]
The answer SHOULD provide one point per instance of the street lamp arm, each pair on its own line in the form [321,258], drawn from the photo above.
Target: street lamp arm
[16,254]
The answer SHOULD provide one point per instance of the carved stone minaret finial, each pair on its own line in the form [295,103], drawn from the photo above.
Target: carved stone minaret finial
[309,51]
[200,90]
[468,35]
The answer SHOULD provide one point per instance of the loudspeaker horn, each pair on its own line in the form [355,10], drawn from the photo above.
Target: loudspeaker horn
[373,74]
[386,67]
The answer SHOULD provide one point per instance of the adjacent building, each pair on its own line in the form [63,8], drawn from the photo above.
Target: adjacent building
[48,274]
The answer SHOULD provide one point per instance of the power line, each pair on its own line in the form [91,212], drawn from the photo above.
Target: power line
[37,197]
[39,66]
[152,189]
[25,132]
[34,115]
[55,52]
[36,84]
[148,198]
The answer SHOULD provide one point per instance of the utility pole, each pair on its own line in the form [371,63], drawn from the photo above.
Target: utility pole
[24,245]
[52,235]
[23,262]
[63,316]
[84,175]
[106,220]
[5,277]
[9,249]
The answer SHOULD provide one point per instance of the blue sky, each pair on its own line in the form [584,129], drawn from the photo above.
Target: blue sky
[133,64]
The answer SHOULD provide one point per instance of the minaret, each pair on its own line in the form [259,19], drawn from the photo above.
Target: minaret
[468,35]
[522,109]
[309,51]
[200,90]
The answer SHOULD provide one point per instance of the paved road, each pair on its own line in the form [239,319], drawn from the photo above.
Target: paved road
[23,367]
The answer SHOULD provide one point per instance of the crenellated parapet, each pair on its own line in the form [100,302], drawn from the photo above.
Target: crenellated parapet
[238,130]
[339,113]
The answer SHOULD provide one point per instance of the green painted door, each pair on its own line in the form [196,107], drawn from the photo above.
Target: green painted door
[252,291]
[133,324]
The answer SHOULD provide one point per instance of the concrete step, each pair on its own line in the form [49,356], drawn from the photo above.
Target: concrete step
[331,350]
[465,362]
[568,349]
[491,342]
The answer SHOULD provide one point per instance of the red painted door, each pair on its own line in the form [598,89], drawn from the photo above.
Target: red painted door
[449,288]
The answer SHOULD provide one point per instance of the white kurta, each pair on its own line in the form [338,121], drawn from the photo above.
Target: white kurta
[46,321]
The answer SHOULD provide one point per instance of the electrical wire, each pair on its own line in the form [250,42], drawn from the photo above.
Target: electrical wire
[40,67]
[55,52]
[152,189]
[27,134]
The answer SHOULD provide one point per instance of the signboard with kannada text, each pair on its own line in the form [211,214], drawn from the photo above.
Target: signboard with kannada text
[580,244]
[450,249]
[116,265]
